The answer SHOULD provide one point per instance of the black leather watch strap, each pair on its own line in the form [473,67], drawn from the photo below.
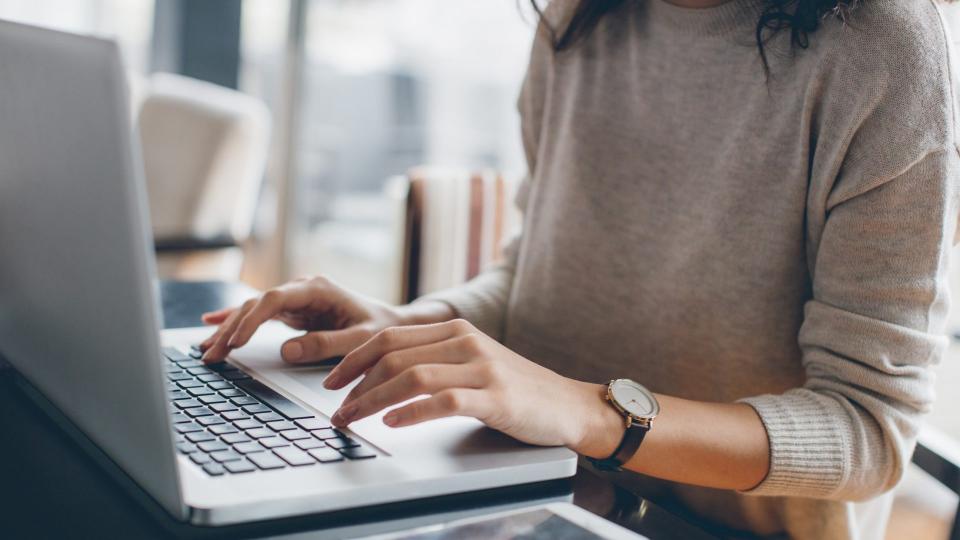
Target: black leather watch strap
[629,445]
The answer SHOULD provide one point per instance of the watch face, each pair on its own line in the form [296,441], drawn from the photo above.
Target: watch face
[634,398]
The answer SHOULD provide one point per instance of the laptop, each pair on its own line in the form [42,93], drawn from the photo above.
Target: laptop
[79,320]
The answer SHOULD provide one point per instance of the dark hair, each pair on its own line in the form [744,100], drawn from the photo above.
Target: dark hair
[800,17]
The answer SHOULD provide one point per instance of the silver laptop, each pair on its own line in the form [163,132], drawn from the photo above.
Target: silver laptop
[79,321]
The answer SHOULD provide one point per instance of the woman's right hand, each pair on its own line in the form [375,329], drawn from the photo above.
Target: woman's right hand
[336,320]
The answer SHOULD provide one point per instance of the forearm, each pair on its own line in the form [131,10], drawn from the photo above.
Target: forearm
[714,445]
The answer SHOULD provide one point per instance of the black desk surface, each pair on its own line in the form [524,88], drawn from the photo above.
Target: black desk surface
[49,488]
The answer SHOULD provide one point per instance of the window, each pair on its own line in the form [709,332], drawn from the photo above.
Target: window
[386,85]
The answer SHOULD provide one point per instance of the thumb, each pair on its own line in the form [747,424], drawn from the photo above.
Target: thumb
[323,345]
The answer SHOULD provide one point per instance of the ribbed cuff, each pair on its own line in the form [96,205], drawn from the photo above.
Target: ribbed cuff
[809,444]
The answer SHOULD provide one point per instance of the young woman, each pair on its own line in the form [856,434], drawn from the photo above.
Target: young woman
[744,206]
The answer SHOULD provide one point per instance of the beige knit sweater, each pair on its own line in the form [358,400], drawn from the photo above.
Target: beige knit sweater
[721,237]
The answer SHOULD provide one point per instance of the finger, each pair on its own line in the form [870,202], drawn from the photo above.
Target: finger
[416,381]
[217,317]
[394,363]
[391,339]
[218,349]
[292,297]
[319,346]
[452,402]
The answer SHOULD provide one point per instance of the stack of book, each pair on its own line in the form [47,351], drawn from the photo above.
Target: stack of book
[455,225]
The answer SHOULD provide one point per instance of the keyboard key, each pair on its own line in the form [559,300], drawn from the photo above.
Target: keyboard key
[240,466]
[200,436]
[210,420]
[210,377]
[246,423]
[357,453]
[260,433]
[199,411]
[229,392]
[200,458]
[342,442]
[222,367]
[190,383]
[220,385]
[178,418]
[223,407]
[294,456]
[295,435]
[309,444]
[211,399]
[311,424]
[244,400]
[189,364]
[256,408]
[186,448]
[201,391]
[248,448]
[234,416]
[235,438]
[187,403]
[324,434]
[279,403]
[214,469]
[282,425]
[185,427]
[213,446]
[178,438]
[179,376]
[273,442]
[223,429]
[266,460]
[236,376]
[226,455]
[268,417]
[174,395]
[173,354]
[195,354]
[325,455]
[199,370]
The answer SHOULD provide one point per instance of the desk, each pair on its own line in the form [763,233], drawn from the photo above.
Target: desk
[50,489]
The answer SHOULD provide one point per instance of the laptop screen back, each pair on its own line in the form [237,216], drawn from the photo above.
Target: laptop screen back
[78,317]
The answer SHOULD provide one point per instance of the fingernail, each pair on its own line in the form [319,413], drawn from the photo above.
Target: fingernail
[391,418]
[233,342]
[292,351]
[331,381]
[345,414]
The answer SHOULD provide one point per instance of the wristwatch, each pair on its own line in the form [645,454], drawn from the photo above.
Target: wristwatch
[639,407]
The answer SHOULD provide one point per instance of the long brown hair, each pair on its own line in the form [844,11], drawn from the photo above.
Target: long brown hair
[800,17]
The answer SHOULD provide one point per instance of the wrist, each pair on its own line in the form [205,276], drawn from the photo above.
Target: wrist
[423,312]
[601,426]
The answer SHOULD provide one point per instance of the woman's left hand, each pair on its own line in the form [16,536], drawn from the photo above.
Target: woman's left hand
[466,373]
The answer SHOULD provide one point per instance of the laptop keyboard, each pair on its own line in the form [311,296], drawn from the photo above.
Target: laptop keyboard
[229,423]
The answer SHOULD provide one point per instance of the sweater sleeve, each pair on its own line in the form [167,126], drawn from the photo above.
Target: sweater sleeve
[881,219]
[870,336]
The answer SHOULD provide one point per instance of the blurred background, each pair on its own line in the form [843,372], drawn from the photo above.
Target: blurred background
[354,93]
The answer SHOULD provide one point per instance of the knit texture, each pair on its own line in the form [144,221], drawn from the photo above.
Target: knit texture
[721,236]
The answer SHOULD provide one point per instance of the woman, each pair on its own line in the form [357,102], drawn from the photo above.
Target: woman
[745,206]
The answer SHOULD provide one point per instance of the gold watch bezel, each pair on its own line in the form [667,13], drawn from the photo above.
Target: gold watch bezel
[629,418]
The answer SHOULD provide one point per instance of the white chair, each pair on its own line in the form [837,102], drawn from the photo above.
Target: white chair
[204,153]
